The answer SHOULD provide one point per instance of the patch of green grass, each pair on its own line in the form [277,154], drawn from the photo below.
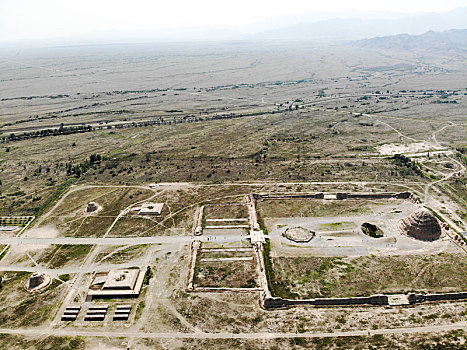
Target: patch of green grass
[61,255]
[313,277]
[4,252]
[55,196]
[311,208]
[335,226]
[9,341]
[65,277]
[139,310]
[24,308]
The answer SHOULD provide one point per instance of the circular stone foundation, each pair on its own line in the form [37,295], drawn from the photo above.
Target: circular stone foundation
[299,234]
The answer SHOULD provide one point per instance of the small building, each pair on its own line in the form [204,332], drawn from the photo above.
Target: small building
[121,279]
[92,207]
[149,208]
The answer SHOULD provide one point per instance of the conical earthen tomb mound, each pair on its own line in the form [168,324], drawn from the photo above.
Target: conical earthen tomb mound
[422,225]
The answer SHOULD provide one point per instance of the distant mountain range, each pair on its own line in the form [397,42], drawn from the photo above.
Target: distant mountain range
[359,28]
[448,41]
[329,27]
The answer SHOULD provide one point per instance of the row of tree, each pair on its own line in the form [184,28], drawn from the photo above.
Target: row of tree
[88,128]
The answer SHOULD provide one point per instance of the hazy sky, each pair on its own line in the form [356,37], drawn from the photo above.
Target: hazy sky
[38,19]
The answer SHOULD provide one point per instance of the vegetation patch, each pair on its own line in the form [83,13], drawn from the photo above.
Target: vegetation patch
[231,274]
[135,225]
[314,277]
[61,255]
[10,341]
[120,254]
[280,208]
[225,211]
[336,226]
[22,308]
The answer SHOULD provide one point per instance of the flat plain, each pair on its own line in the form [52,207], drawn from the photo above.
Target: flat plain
[199,127]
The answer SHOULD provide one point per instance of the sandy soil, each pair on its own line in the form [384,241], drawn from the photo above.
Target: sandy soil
[42,232]
[352,241]
[394,148]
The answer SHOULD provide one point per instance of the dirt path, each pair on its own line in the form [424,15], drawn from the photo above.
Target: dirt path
[224,335]
[159,291]
[431,201]
[399,132]
[127,209]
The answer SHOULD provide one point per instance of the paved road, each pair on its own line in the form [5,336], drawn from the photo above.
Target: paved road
[222,335]
[97,241]
[120,240]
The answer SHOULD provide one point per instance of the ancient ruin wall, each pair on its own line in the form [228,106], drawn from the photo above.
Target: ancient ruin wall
[420,298]
[340,196]
[275,302]
[376,300]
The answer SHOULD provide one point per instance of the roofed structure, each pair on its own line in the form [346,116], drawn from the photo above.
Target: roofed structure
[92,207]
[121,279]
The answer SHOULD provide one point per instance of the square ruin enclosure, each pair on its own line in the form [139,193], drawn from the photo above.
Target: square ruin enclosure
[336,227]
[121,279]
[149,208]
[226,268]
[340,259]
[121,283]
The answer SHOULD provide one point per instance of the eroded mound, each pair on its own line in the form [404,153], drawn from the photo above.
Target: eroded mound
[38,281]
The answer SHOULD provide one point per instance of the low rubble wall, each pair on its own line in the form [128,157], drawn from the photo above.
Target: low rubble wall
[377,300]
[288,196]
[339,196]
[420,298]
[401,195]
[274,302]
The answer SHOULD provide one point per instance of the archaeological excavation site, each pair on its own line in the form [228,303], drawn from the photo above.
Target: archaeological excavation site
[282,177]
